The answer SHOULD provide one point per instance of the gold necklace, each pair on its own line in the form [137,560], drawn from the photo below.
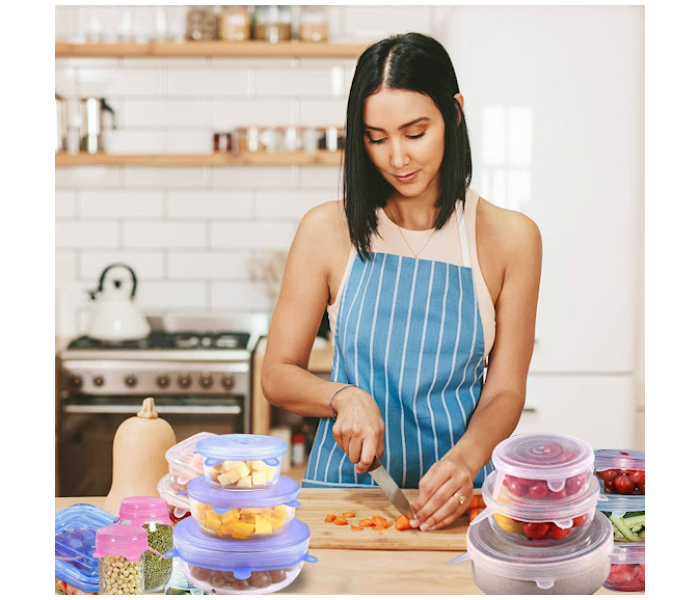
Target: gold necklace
[391,215]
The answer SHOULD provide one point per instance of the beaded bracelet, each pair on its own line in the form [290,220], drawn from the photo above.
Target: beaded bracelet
[334,413]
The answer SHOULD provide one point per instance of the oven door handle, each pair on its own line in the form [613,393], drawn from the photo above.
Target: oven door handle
[162,409]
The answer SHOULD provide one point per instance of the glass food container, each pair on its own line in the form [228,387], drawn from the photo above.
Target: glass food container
[243,515]
[627,515]
[246,567]
[76,567]
[121,550]
[627,569]
[153,515]
[201,23]
[313,23]
[178,501]
[237,461]
[256,139]
[235,23]
[620,471]
[542,466]
[502,565]
[273,23]
[184,462]
[539,522]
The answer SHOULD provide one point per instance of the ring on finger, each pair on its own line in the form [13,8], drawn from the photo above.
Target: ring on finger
[461,499]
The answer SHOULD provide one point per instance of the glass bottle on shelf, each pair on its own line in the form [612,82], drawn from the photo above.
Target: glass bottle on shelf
[313,23]
[235,23]
[273,23]
[201,23]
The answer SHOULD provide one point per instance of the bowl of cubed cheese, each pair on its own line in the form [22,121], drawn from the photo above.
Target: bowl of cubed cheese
[241,461]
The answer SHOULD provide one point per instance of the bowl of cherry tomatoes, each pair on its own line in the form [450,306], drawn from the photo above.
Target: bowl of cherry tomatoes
[620,471]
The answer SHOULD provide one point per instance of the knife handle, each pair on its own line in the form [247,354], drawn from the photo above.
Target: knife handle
[375,465]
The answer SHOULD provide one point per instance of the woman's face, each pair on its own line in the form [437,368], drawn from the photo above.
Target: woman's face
[405,136]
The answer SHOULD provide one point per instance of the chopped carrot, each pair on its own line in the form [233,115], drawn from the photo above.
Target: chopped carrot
[477,502]
[340,521]
[330,518]
[474,513]
[403,523]
[389,524]
[367,523]
[356,528]
[379,521]
[348,515]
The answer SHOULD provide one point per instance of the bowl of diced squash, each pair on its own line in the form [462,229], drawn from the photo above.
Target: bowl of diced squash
[243,515]
[241,461]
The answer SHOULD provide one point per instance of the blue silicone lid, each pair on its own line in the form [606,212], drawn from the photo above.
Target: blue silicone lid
[620,503]
[241,556]
[240,446]
[76,528]
[285,491]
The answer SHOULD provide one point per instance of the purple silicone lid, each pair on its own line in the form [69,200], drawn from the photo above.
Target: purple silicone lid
[240,446]
[284,492]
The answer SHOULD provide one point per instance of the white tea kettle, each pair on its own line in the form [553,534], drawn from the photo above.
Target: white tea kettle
[115,316]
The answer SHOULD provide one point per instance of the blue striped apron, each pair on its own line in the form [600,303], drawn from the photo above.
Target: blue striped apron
[408,333]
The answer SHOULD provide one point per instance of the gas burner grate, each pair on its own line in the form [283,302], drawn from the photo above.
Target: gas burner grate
[164,340]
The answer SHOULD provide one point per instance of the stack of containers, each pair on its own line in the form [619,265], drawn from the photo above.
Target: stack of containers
[540,533]
[76,567]
[622,479]
[241,537]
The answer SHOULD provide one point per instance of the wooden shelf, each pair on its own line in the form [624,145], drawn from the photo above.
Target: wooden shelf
[282,159]
[211,49]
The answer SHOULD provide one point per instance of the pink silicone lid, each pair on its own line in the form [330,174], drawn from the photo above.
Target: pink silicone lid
[144,509]
[551,457]
[130,541]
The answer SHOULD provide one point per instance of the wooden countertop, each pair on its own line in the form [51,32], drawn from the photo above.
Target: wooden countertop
[363,571]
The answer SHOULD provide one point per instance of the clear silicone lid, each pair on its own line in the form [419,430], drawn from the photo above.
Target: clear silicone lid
[240,446]
[561,511]
[619,459]
[620,504]
[242,556]
[171,495]
[284,492]
[185,463]
[501,555]
[76,528]
[628,554]
[550,457]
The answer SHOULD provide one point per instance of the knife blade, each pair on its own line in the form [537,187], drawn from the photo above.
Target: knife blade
[391,490]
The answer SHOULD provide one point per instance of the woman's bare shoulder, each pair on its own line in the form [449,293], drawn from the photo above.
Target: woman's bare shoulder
[509,232]
[325,227]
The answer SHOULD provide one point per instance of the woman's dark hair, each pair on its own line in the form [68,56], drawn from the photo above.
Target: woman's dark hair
[417,63]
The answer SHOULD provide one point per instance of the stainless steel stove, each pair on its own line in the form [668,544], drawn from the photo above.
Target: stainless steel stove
[201,380]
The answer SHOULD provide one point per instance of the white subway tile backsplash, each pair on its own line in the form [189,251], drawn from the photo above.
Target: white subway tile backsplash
[165,177]
[66,204]
[165,113]
[255,234]
[79,177]
[206,204]
[240,296]
[146,265]
[376,22]
[306,83]
[167,295]
[288,205]
[206,82]
[165,63]
[164,235]
[230,113]
[64,23]
[121,204]
[66,266]
[189,141]
[66,81]
[322,112]
[119,82]
[86,234]
[330,178]
[123,141]
[209,265]
[254,63]
[253,177]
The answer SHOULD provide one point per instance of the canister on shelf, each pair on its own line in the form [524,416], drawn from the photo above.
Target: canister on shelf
[235,23]
[223,142]
[313,23]
[273,23]
[201,23]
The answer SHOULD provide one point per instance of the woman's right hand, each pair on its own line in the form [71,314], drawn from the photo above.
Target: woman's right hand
[359,428]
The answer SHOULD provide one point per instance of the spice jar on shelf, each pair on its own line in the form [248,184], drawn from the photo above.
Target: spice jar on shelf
[273,23]
[313,23]
[235,23]
[201,23]
[121,550]
[153,516]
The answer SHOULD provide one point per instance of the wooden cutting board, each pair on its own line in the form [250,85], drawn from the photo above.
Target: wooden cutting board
[316,503]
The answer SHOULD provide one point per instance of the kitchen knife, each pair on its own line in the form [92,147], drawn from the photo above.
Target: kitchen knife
[390,489]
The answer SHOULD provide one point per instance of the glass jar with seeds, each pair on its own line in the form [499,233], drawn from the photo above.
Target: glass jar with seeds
[121,550]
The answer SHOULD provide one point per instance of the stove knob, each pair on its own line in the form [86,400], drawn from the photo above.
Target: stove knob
[206,380]
[98,380]
[184,380]
[227,381]
[163,381]
[130,380]
[75,381]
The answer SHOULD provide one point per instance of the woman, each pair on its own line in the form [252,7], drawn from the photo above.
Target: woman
[422,280]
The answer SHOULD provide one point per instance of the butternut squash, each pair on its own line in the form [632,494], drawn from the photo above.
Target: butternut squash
[138,456]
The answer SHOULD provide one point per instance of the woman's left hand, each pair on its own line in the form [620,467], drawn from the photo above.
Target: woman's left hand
[437,505]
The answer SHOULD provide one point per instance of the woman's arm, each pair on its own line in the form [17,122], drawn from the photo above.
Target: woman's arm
[503,395]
